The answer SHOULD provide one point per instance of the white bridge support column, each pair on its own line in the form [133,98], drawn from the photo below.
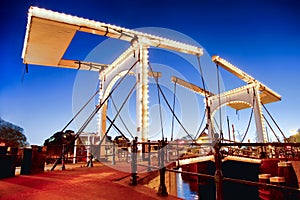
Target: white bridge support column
[101,119]
[259,119]
[248,95]
[142,94]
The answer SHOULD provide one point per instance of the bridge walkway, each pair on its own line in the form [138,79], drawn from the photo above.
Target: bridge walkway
[77,182]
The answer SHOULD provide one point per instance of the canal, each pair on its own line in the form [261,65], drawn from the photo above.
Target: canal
[186,189]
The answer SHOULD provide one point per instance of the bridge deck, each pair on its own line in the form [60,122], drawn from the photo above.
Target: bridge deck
[99,182]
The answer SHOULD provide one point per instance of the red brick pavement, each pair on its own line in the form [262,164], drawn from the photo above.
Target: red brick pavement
[99,182]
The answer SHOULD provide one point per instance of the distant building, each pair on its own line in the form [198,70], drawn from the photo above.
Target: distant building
[85,144]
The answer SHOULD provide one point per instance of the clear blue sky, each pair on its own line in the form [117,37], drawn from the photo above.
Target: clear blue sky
[260,37]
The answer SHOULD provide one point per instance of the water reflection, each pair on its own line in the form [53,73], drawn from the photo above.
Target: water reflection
[186,189]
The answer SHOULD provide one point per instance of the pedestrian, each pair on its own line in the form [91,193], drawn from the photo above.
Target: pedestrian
[90,161]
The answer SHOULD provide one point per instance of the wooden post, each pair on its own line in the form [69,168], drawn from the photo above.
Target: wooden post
[149,156]
[63,158]
[218,173]
[133,180]
[162,190]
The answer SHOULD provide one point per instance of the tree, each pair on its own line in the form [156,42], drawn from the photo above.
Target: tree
[60,138]
[55,143]
[12,135]
[296,137]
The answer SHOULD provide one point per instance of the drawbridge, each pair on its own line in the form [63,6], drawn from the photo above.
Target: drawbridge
[49,34]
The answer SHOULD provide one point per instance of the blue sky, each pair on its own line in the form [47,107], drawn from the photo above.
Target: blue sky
[260,37]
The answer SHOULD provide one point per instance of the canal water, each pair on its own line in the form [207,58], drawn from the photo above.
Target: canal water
[186,189]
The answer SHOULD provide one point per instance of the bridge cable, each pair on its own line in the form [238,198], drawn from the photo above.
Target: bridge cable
[198,131]
[114,105]
[285,139]
[116,128]
[93,114]
[268,139]
[271,128]
[102,103]
[113,121]
[247,129]
[118,114]
[160,114]
[119,111]
[220,109]
[169,106]
[217,125]
[92,97]
[174,100]
[207,109]
[82,108]
[250,118]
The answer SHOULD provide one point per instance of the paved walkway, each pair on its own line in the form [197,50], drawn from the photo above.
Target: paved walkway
[99,182]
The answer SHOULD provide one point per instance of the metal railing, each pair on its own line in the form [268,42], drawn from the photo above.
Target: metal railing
[160,153]
[263,149]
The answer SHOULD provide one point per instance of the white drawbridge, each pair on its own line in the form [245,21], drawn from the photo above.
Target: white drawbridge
[49,34]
